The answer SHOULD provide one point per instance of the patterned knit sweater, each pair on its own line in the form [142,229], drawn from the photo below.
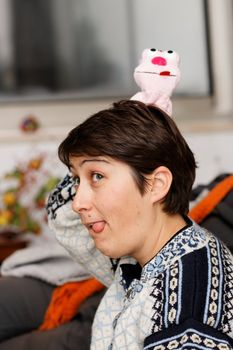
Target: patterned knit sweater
[181,299]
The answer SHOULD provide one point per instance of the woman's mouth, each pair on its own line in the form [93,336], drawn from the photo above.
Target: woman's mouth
[96,227]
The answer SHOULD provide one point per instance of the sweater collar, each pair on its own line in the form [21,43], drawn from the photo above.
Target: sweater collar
[190,238]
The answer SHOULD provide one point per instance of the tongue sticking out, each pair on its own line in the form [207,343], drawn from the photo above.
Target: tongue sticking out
[98,227]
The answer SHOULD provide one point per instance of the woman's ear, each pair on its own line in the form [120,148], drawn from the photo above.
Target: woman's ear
[161,183]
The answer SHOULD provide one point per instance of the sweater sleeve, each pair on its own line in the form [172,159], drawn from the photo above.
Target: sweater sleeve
[189,335]
[73,236]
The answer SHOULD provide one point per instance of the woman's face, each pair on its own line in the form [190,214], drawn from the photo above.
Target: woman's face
[117,216]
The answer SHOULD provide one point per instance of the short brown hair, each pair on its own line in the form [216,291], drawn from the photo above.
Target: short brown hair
[144,137]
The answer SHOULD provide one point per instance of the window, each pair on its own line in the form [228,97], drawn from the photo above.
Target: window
[84,50]
[90,48]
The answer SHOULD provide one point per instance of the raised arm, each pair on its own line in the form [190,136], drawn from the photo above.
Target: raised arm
[72,235]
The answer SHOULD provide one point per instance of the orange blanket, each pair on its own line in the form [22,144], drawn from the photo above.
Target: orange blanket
[207,204]
[66,300]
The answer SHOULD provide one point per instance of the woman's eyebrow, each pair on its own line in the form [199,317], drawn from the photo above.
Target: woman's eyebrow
[94,160]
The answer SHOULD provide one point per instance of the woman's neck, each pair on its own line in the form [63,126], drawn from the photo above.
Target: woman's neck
[164,229]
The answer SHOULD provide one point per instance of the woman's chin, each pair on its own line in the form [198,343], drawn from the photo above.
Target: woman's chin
[107,251]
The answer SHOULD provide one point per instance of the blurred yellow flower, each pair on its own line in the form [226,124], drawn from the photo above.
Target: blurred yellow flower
[23,193]
[3,220]
[7,214]
[9,198]
[35,163]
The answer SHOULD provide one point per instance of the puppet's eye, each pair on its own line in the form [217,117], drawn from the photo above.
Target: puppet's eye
[153,49]
[170,51]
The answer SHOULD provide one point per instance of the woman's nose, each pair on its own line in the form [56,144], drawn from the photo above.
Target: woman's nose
[81,201]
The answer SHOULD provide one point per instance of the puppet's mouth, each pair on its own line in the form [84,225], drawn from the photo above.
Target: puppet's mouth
[163,73]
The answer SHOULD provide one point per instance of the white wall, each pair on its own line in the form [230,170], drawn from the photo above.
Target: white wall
[213,152]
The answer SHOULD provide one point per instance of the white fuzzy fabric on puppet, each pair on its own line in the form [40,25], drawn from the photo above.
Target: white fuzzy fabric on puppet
[157,75]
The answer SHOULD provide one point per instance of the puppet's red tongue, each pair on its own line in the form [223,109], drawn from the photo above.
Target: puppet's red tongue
[165,72]
[98,227]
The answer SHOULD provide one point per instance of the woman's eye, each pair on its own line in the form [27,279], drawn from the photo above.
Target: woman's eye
[97,177]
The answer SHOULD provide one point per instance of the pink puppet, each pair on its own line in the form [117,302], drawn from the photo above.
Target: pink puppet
[157,75]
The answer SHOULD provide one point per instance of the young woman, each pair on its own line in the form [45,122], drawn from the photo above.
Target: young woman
[123,214]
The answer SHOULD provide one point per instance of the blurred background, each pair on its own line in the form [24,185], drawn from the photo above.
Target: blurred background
[62,60]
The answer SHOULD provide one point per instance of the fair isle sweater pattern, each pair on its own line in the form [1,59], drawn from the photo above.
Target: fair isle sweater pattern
[63,193]
[181,299]
[194,310]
